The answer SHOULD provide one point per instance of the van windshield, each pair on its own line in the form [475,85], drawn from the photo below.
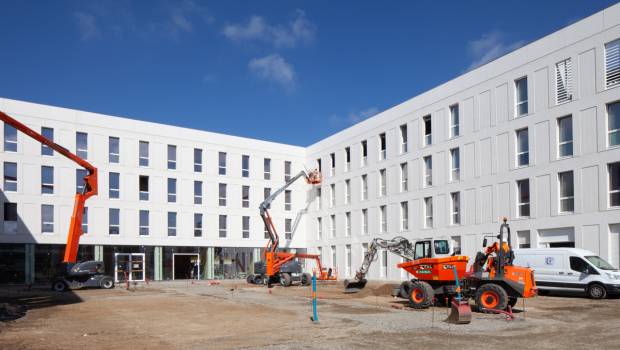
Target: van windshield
[600,262]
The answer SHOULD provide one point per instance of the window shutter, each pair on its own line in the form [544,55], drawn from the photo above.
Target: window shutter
[563,81]
[612,63]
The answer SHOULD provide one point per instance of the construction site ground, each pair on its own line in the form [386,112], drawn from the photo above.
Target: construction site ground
[235,315]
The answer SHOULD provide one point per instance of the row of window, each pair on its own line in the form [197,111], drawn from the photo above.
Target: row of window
[10,145]
[566,199]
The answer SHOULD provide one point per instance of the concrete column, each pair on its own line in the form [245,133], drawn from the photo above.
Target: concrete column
[29,263]
[158,257]
[209,265]
[98,253]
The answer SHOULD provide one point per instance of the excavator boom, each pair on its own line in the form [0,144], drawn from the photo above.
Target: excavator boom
[89,189]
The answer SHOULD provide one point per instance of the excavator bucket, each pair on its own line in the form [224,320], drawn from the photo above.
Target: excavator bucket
[354,286]
[460,313]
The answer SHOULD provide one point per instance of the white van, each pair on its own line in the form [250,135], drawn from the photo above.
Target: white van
[570,269]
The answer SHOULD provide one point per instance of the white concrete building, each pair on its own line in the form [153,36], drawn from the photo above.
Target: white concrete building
[533,136]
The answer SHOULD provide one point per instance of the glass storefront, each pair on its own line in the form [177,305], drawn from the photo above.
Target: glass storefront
[149,263]
[12,263]
[231,263]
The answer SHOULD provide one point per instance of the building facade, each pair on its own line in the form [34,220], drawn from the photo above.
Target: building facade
[533,136]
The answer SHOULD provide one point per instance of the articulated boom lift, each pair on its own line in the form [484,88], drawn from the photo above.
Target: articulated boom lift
[280,266]
[88,273]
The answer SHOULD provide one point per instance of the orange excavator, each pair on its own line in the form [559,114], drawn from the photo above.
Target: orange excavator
[281,266]
[72,274]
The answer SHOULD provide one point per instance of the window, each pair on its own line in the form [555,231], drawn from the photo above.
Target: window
[172,157]
[383,218]
[565,136]
[428,171]
[85,220]
[319,228]
[455,164]
[47,180]
[318,164]
[10,177]
[404,177]
[455,198]
[384,263]
[245,166]
[144,223]
[113,149]
[10,138]
[222,195]
[404,216]
[364,221]
[332,225]
[334,261]
[266,192]
[613,124]
[81,141]
[10,218]
[144,153]
[114,221]
[287,200]
[332,170]
[454,120]
[267,235]
[198,225]
[382,147]
[114,187]
[364,159]
[523,148]
[245,196]
[80,174]
[347,224]
[197,160]
[48,133]
[364,187]
[332,194]
[347,250]
[347,191]
[579,265]
[521,96]
[319,204]
[172,190]
[267,169]
[47,218]
[614,184]
[428,131]
[197,192]
[223,223]
[245,227]
[612,63]
[567,192]
[523,198]
[144,188]
[222,163]
[563,81]
[382,183]
[428,212]
[288,228]
[347,157]
[403,139]
[287,170]
[172,224]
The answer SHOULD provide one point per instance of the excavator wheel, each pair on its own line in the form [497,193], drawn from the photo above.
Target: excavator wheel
[421,295]
[250,279]
[491,296]
[512,301]
[306,279]
[285,279]
[258,279]
[405,289]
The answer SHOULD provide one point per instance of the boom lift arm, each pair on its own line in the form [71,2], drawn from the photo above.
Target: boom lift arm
[89,189]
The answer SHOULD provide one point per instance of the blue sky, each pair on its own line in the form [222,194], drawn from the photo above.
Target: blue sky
[286,71]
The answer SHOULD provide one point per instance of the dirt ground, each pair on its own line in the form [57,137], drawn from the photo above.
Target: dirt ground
[234,315]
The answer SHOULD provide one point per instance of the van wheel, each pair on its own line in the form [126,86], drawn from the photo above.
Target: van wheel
[59,286]
[596,291]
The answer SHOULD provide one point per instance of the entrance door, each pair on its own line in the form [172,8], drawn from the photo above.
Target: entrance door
[185,266]
[129,266]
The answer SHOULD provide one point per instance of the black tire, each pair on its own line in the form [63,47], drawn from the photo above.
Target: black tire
[106,283]
[258,279]
[59,286]
[306,279]
[285,279]
[421,295]
[405,289]
[596,291]
[250,279]
[543,292]
[512,301]
[491,296]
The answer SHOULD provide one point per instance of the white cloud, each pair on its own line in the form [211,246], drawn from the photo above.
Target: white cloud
[298,30]
[274,68]
[182,16]
[353,117]
[489,47]
[87,25]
